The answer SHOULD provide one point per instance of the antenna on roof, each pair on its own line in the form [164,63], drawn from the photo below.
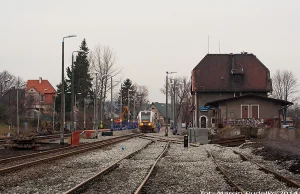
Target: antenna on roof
[208,44]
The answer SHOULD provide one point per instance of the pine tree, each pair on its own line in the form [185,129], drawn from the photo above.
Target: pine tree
[82,78]
[58,99]
[127,84]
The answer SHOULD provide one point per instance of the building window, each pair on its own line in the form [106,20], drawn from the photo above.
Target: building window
[236,94]
[255,111]
[42,98]
[244,111]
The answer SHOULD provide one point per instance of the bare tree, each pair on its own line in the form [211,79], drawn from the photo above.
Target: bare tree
[7,81]
[181,86]
[141,97]
[294,112]
[284,87]
[102,61]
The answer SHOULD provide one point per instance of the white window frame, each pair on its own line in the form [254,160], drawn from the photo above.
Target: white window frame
[242,110]
[257,110]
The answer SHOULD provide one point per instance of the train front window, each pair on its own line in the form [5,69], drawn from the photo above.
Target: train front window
[145,116]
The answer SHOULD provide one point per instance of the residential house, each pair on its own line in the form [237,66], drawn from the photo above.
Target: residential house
[160,110]
[220,84]
[40,95]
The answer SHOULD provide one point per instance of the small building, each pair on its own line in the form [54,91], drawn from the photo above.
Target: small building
[247,110]
[40,95]
[160,110]
[224,85]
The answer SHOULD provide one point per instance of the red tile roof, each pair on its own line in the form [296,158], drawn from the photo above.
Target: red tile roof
[231,72]
[40,87]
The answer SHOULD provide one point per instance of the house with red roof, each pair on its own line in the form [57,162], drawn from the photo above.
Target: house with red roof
[233,89]
[40,95]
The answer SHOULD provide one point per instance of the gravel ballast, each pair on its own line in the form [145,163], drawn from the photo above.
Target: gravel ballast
[185,170]
[246,174]
[61,175]
[131,172]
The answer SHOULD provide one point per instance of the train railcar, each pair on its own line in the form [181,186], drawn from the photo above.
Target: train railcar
[147,121]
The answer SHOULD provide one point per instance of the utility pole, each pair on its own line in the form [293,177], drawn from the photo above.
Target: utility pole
[111,106]
[18,129]
[128,110]
[166,130]
[63,92]
[84,113]
[121,108]
[96,102]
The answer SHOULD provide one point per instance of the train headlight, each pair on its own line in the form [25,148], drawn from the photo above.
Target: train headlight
[141,124]
[150,124]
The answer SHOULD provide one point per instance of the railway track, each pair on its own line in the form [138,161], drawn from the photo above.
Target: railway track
[157,138]
[40,137]
[115,177]
[23,161]
[252,178]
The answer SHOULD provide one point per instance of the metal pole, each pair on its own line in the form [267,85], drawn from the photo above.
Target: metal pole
[128,110]
[38,124]
[62,97]
[84,113]
[72,91]
[63,93]
[53,114]
[166,130]
[134,115]
[121,108]
[94,111]
[111,106]
[172,104]
[18,107]
[96,102]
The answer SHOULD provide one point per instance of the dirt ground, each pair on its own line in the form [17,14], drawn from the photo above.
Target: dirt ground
[284,153]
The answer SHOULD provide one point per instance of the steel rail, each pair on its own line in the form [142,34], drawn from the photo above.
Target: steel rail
[139,189]
[166,140]
[278,176]
[24,156]
[239,189]
[51,158]
[105,171]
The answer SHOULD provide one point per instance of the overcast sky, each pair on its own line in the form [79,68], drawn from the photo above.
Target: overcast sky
[149,37]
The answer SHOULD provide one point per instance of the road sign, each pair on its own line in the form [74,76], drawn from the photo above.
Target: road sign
[204,108]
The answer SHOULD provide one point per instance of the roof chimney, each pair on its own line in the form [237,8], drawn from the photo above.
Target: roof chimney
[40,80]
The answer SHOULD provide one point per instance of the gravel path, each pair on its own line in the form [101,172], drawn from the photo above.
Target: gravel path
[280,168]
[131,172]
[246,174]
[186,171]
[61,175]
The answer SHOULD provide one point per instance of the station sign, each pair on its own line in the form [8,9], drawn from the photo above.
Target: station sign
[204,108]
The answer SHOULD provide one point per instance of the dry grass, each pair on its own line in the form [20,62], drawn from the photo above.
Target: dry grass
[4,130]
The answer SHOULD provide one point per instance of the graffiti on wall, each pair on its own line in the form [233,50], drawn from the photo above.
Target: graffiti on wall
[249,122]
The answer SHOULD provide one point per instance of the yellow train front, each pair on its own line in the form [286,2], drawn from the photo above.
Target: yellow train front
[147,121]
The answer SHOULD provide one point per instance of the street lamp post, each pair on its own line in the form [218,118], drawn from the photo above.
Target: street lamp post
[166,129]
[73,114]
[63,91]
